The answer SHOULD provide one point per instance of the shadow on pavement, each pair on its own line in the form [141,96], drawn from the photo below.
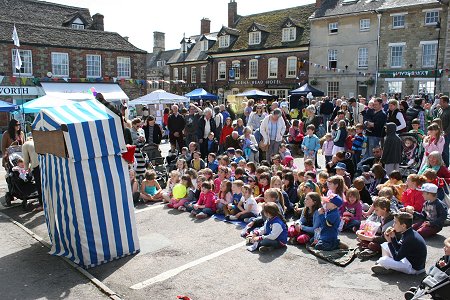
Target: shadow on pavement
[271,256]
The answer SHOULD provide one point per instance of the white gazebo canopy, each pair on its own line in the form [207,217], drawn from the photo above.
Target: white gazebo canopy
[158,97]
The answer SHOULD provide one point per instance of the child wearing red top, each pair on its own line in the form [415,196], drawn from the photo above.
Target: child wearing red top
[349,139]
[263,184]
[221,176]
[411,196]
[206,204]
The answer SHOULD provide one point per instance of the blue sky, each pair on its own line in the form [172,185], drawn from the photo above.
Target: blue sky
[138,19]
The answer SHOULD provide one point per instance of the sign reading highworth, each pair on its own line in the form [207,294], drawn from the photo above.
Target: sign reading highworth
[17,91]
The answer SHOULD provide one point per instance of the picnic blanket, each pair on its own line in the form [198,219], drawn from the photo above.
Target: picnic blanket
[339,257]
[221,217]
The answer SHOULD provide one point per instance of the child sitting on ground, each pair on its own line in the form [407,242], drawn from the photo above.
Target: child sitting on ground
[284,151]
[322,183]
[341,170]
[192,199]
[233,208]
[273,234]
[264,184]
[303,230]
[206,204]
[179,202]
[433,214]
[329,224]
[173,180]
[309,165]
[395,181]
[213,163]
[181,166]
[197,163]
[370,246]
[224,197]
[247,206]
[364,195]
[407,255]
[134,187]
[238,156]
[150,189]
[412,196]
[351,211]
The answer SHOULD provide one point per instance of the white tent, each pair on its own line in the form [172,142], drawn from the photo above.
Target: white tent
[158,97]
[79,91]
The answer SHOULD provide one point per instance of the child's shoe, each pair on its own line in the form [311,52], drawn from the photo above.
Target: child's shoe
[232,218]
[201,215]
[265,249]
[253,247]
[170,205]
[182,208]
[367,254]
[380,270]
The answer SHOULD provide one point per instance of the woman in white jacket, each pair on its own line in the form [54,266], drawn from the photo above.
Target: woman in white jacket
[272,130]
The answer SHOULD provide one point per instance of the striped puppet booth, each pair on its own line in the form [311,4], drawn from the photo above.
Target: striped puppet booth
[85,183]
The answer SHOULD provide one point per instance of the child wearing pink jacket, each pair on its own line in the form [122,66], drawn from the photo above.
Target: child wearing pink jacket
[206,204]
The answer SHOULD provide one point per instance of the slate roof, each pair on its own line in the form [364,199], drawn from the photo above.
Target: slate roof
[33,34]
[272,22]
[194,52]
[163,55]
[337,7]
[41,12]
[391,4]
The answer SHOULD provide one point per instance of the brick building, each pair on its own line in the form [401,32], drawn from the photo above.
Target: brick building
[409,46]
[262,51]
[64,46]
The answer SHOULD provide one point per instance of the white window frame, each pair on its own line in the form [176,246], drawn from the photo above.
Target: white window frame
[175,74]
[430,57]
[93,67]
[289,34]
[184,73]
[394,16]
[272,68]
[203,74]
[428,85]
[364,25]
[332,88]
[427,13]
[61,65]
[393,46]
[363,58]
[224,41]
[204,45]
[27,62]
[193,75]
[160,63]
[236,65]
[396,87]
[253,69]
[222,70]
[333,28]
[332,57]
[124,67]
[254,38]
[291,62]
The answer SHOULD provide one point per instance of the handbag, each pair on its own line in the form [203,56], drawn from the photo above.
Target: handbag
[14,148]
[263,146]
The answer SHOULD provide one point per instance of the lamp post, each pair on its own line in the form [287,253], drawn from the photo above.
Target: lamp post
[438,27]
[188,42]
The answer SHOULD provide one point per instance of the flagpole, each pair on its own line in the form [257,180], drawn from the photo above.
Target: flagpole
[18,66]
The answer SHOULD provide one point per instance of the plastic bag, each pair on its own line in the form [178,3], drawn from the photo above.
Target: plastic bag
[369,228]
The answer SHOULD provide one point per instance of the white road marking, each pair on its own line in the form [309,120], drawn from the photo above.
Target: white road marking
[171,273]
[155,206]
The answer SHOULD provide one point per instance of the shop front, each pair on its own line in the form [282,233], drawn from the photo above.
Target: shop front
[16,95]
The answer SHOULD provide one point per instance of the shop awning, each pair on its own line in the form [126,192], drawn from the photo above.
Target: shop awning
[77,91]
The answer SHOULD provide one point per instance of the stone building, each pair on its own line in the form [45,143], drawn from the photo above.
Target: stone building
[409,45]
[263,51]
[158,71]
[61,47]
[343,48]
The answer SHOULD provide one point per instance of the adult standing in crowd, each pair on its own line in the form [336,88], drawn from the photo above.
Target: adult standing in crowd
[395,116]
[232,141]
[218,118]
[138,138]
[326,109]
[192,121]
[248,110]
[445,117]
[272,130]
[206,125]
[256,117]
[375,127]
[14,135]
[153,136]
[176,125]
[416,112]
[311,118]
[30,160]
[357,111]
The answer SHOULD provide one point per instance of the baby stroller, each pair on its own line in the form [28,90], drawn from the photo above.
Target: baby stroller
[436,285]
[159,166]
[411,155]
[17,187]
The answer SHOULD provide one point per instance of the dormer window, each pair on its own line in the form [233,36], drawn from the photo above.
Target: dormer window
[77,24]
[204,45]
[289,34]
[224,41]
[254,38]
[160,63]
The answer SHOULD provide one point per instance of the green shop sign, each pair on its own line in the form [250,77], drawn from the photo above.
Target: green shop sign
[409,73]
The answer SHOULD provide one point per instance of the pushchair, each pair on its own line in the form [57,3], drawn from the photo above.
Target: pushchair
[412,154]
[17,187]
[158,164]
[436,285]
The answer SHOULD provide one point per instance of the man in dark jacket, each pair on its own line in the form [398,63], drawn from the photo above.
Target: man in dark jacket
[415,112]
[375,127]
[392,151]
[205,125]
[326,109]
[232,141]
[176,124]
[153,137]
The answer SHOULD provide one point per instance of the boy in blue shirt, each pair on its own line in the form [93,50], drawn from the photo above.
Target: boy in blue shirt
[408,255]
[213,163]
[330,220]
[311,143]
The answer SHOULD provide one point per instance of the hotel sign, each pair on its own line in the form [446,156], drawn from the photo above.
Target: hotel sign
[18,91]
[409,73]
[257,82]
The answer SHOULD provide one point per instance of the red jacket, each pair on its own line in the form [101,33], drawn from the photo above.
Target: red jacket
[444,173]
[349,142]
[413,198]
[226,131]
[208,200]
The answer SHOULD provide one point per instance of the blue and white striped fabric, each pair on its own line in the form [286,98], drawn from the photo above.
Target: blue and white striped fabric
[87,196]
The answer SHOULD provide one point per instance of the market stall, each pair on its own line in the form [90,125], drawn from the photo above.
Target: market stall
[85,183]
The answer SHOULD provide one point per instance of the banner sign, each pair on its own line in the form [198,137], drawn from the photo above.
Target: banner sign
[409,73]
[17,91]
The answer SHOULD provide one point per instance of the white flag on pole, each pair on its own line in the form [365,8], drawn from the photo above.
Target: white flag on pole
[17,60]
[15,37]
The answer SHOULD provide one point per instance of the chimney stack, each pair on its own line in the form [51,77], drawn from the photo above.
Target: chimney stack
[232,13]
[319,3]
[205,26]
[97,22]
[159,42]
